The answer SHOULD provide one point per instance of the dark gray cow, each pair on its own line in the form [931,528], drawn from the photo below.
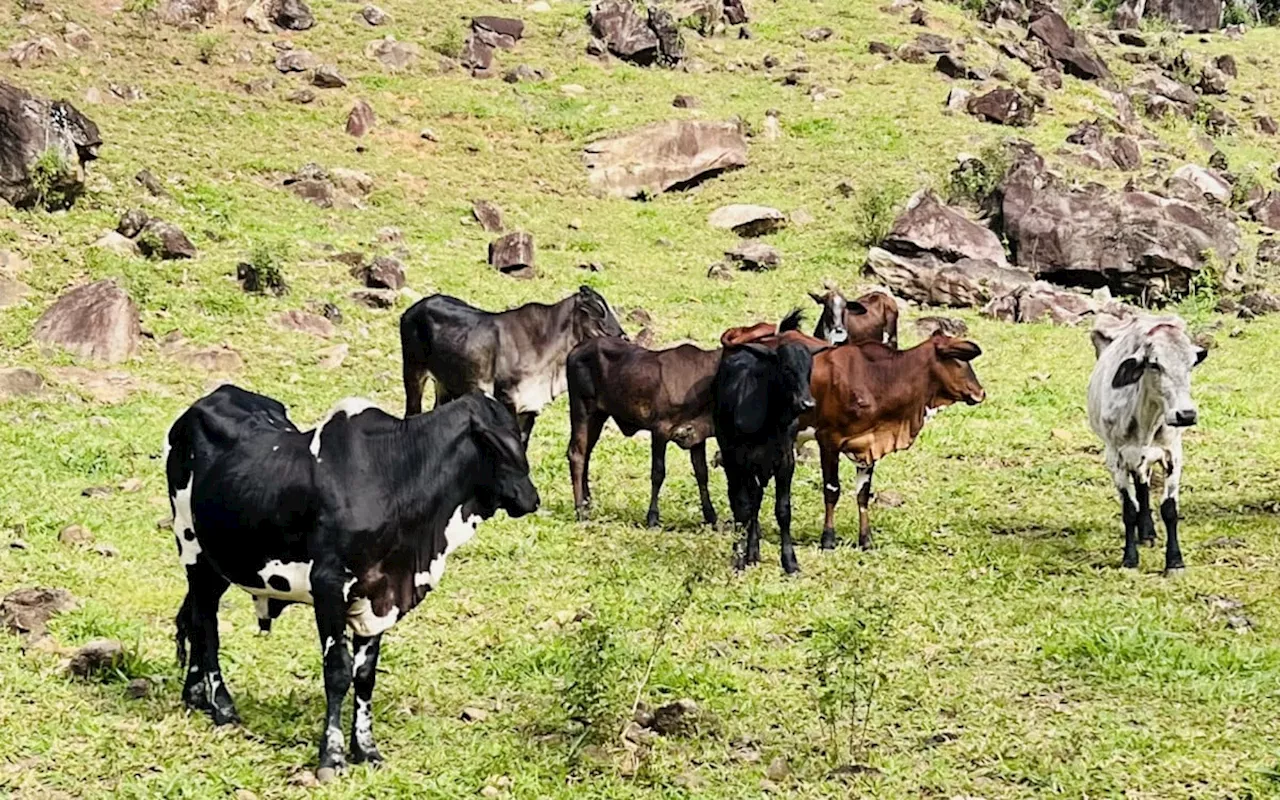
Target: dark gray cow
[518,355]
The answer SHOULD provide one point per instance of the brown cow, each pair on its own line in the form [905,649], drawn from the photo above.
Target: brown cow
[873,400]
[666,392]
[873,317]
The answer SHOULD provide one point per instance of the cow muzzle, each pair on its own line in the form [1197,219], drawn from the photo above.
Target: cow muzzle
[974,398]
[1183,418]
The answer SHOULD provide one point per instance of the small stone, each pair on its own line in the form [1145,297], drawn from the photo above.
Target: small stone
[778,769]
[818,34]
[573,89]
[428,135]
[95,656]
[473,714]
[376,298]
[880,49]
[373,15]
[76,535]
[685,101]
[332,357]
[326,775]
[131,486]
[20,382]
[244,794]
[361,119]
[19,544]
[755,256]
[106,550]
[488,215]
[151,183]
[302,96]
[327,77]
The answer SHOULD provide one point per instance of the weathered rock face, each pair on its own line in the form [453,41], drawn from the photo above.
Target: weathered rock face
[51,141]
[488,215]
[1044,302]
[361,119]
[1070,50]
[1196,15]
[1133,242]
[634,38]
[1206,181]
[747,220]
[664,155]
[1003,106]
[305,322]
[926,278]
[754,256]
[296,61]
[164,240]
[193,12]
[395,56]
[930,227]
[20,382]
[336,188]
[97,321]
[1267,212]
[384,272]
[513,255]
[292,15]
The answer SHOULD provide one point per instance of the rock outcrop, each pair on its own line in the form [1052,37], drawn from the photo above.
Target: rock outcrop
[97,321]
[44,147]
[663,156]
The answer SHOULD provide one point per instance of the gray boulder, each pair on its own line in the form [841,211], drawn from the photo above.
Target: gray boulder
[1067,47]
[747,220]
[926,278]
[930,227]
[1194,15]
[513,255]
[664,155]
[44,147]
[97,321]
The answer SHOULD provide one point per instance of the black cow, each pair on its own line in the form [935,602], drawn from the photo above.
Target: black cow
[760,390]
[666,392]
[518,356]
[355,518]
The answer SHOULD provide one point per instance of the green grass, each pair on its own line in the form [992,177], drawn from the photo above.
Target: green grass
[1016,660]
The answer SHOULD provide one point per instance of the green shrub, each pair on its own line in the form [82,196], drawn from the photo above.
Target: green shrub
[450,43]
[875,213]
[974,181]
[49,176]
[844,670]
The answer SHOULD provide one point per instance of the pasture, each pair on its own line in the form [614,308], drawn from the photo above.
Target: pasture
[988,647]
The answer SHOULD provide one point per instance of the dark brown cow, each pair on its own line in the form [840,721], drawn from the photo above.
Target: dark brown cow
[665,392]
[873,400]
[873,317]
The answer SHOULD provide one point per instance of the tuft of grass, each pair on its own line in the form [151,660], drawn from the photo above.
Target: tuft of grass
[449,43]
[844,666]
[875,212]
[49,180]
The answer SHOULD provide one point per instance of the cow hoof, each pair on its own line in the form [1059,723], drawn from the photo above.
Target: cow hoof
[326,774]
[791,568]
[371,757]
[1174,572]
[651,522]
[1147,542]
[829,540]
[224,715]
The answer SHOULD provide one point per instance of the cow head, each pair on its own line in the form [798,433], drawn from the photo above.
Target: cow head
[790,370]
[505,481]
[958,382]
[831,324]
[592,317]
[1163,361]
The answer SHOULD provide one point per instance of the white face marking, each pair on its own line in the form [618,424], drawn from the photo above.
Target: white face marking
[362,619]
[352,407]
[297,573]
[328,643]
[184,524]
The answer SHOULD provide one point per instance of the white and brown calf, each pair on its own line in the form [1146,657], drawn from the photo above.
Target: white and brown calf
[1139,402]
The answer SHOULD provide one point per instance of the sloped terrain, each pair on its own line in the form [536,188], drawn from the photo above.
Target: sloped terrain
[1011,657]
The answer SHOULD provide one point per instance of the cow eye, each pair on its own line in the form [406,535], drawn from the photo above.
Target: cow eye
[1155,365]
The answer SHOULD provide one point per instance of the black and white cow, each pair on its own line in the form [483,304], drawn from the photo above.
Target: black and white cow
[1139,401]
[355,518]
[517,355]
[759,392]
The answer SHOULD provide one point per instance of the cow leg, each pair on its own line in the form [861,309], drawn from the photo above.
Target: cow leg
[698,457]
[1129,511]
[1142,493]
[657,474]
[830,493]
[782,509]
[864,503]
[756,485]
[331,623]
[582,440]
[415,377]
[1169,508]
[740,505]
[363,750]
[204,689]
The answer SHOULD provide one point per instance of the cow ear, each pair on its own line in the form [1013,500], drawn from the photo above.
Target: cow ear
[959,349]
[1201,355]
[817,298]
[855,308]
[1129,371]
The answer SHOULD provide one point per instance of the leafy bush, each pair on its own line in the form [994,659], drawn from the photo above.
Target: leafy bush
[207,47]
[263,273]
[48,176]
[974,181]
[591,681]
[875,213]
[844,669]
[450,43]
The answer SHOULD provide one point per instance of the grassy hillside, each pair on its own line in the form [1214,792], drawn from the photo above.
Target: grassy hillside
[1014,658]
